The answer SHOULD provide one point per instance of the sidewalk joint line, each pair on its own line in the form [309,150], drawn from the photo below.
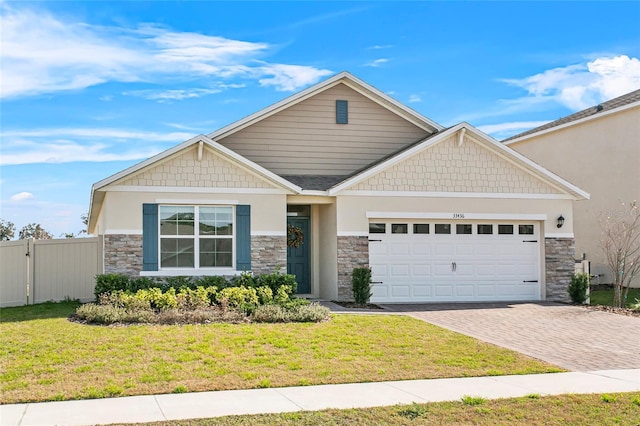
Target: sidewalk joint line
[289,399]
[155,398]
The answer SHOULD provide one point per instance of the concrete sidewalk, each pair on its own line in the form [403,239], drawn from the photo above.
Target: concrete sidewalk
[277,400]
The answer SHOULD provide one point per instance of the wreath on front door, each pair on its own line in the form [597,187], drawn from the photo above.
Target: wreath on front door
[294,236]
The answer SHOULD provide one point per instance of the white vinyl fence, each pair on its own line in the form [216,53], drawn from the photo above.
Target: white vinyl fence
[35,271]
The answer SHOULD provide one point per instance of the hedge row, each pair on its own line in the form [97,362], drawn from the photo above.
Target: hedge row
[109,283]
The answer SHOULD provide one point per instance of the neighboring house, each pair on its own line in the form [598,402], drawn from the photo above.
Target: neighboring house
[439,214]
[599,150]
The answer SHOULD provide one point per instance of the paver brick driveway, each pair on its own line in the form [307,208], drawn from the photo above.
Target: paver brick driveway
[571,337]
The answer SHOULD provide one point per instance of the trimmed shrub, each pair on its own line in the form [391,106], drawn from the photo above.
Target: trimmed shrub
[110,314]
[265,295]
[309,313]
[178,283]
[294,302]
[270,313]
[245,279]
[108,283]
[159,300]
[276,279]
[282,295]
[200,316]
[189,299]
[243,298]
[361,285]
[207,281]
[141,283]
[578,288]
[303,313]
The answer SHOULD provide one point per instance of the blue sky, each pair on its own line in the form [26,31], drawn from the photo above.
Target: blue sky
[90,88]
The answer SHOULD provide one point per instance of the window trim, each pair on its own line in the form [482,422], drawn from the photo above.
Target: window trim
[196,242]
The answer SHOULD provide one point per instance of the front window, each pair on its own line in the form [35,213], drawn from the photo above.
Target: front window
[196,237]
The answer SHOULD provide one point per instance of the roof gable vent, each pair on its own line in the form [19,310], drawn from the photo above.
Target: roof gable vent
[342,112]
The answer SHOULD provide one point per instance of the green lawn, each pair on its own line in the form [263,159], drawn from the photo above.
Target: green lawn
[607,409]
[605,296]
[44,356]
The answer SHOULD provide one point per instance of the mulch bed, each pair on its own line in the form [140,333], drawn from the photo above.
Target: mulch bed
[354,305]
[611,309]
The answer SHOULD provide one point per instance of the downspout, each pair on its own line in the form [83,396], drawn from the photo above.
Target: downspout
[461,136]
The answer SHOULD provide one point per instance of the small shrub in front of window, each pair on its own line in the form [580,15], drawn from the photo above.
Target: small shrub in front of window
[212,281]
[108,283]
[179,282]
[245,279]
[578,288]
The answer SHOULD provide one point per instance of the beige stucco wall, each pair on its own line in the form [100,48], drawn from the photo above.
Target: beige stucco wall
[352,210]
[602,157]
[328,255]
[122,211]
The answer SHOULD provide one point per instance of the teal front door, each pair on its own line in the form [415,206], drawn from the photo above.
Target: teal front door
[299,258]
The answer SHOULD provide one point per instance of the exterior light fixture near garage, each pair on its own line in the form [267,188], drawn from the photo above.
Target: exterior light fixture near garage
[560,221]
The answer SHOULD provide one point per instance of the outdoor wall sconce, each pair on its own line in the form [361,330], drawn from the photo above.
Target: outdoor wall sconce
[560,221]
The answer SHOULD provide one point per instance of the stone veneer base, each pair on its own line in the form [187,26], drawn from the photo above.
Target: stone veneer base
[268,253]
[123,254]
[559,257]
[353,252]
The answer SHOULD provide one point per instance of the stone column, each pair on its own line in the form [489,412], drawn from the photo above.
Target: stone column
[559,262]
[123,254]
[268,253]
[353,252]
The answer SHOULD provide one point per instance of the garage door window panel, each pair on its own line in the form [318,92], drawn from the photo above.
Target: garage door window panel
[505,229]
[525,229]
[399,228]
[420,228]
[464,229]
[443,228]
[485,229]
[377,228]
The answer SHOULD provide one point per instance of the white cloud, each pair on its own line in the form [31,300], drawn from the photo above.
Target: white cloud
[289,77]
[376,62]
[504,130]
[579,86]
[69,151]
[83,144]
[380,46]
[172,95]
[92,133]
[106,98]
[21,196]
[414,98]
[42,53]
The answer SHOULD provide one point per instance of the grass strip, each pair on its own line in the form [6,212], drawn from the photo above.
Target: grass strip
[44,357]
[533,410]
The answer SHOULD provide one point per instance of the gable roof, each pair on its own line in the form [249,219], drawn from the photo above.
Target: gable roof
[349,80]
[492,144]
[628,100]
[97,196]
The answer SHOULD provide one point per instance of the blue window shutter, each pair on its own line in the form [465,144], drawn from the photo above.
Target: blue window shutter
[342,112]
[243,238]
[149,237]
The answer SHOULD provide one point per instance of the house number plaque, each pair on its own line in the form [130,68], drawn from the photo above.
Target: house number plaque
[458,215]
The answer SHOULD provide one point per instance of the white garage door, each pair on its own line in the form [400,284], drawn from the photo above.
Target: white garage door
[454,262]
